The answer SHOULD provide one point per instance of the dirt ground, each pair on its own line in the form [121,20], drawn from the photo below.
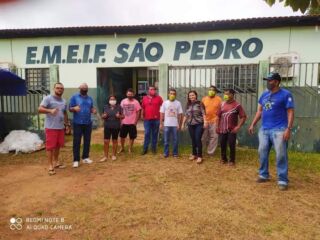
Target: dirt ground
[97,136]
[150,197]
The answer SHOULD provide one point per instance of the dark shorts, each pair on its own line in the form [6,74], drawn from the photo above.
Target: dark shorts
[111,132]
[131,129]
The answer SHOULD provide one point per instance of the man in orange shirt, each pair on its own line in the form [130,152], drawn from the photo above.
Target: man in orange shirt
[212,104]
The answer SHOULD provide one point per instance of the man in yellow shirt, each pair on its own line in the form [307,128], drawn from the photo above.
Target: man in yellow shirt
[212,104]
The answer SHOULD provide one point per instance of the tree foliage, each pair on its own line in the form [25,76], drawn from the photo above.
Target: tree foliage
[296,5]
[314,11]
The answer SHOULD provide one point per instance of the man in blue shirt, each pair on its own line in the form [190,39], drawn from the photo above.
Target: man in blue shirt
[82,106]
[276,109]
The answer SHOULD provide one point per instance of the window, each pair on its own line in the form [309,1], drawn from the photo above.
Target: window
[242,78]
[38,80]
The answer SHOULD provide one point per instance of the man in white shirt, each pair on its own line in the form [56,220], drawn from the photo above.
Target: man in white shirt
[170,121]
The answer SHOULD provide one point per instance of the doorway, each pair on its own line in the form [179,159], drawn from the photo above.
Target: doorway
[116,81]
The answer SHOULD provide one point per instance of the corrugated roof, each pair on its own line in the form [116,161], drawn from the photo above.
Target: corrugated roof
[233,24]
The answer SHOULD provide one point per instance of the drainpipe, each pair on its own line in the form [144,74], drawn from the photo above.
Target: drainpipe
[263,72]
[54,76]
[163,80]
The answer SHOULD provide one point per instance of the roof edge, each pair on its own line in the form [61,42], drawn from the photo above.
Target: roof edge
[232,24]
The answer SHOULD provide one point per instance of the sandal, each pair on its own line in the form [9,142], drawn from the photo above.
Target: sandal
[103,159]
[51,172]
[120,151]
[199,160]
[61,166]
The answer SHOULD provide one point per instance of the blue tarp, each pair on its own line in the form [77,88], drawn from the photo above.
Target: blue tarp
[11,84]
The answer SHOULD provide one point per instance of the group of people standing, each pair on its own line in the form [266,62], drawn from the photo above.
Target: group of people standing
[209,121]
[205,120]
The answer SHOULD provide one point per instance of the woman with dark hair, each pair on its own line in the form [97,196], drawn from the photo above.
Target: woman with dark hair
[194,118]
[229,125]
[112,115]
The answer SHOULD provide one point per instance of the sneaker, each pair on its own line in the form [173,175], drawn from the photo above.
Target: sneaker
[199,160]
[75,164]
[223,161]
[87,160]
[192,157]
[175,156]
[113,158]
[165,156]
[283,187]
[262,180]
[231,164]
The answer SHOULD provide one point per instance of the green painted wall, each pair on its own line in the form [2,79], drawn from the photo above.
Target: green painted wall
[300,40]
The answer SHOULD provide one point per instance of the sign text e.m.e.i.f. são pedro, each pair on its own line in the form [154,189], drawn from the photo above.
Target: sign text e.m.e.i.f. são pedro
[142,51]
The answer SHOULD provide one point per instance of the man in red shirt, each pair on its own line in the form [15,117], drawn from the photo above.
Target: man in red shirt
[228,125]
[151,115]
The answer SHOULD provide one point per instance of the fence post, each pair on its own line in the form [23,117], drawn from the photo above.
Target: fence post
[263,72]
[163,80]
[54,76]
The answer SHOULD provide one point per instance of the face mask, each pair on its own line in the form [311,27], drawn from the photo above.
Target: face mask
[152,92]
[83,91]
[172,97]
[113,102]
[226,97]
[211,93]
[270,86]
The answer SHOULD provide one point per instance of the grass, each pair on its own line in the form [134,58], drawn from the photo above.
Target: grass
[300,161]
[150,197]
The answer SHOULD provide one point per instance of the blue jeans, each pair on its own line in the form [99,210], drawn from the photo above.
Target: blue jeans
[196,132]
[274,137]
[167,132]
[151,129]
[80,130]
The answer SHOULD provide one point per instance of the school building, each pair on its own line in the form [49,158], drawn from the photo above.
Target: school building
[228,54]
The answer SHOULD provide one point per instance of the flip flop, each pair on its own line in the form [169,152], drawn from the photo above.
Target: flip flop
[103,159]
[61,166]
[51,172]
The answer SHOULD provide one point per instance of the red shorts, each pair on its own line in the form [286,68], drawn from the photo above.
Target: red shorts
[54,138]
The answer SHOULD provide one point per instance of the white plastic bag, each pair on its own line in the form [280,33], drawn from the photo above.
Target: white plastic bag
[21,141]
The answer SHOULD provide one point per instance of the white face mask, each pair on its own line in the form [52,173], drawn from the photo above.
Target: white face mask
[113,102]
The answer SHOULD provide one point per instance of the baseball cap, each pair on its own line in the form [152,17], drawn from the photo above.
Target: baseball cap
[273,76]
